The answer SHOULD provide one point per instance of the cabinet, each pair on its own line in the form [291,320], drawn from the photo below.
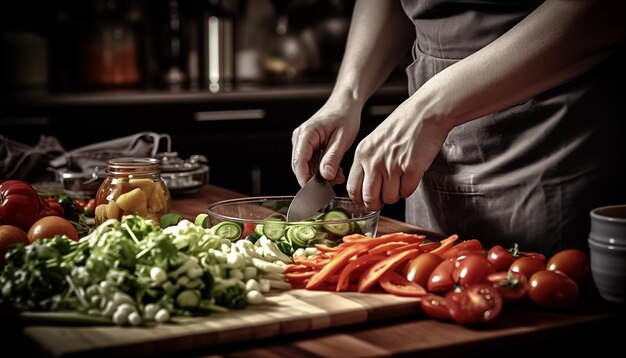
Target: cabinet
[245,133]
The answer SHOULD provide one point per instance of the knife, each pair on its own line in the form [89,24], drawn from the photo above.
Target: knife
[312,197]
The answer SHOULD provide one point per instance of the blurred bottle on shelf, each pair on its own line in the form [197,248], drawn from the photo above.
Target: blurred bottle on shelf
[108,54]
[285,55]
[24,46]
[173,70]
[24,60]
[217,46]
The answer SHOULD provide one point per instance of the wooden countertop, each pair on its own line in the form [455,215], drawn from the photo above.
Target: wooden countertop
[517,331]
[392,327]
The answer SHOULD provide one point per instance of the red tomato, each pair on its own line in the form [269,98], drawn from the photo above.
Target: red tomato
[50,208]
[552,290]
[50,226]
[574,263]
[419,269]
[512,286]
[500,258]
[90,208]
[248,228]
[527,266]
[470,270]
[441,277]
[534,255]
[9,235]
[19,204]
[436,307]
[396,284]
[478,303]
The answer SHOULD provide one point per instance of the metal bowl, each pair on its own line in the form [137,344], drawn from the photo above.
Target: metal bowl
[183,176]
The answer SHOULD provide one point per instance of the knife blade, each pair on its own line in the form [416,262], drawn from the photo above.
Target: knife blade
[312,197]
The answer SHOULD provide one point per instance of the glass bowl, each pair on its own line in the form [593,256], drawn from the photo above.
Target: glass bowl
[265,216]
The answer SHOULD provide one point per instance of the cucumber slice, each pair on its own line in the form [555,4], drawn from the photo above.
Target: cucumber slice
[258,230]
[285,246]
[274,227]
[341,229]
[228,230]
[252,238]
[202,220]
[300,235]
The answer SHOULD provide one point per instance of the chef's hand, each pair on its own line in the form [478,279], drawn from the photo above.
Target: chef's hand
[323,139]
[391,160]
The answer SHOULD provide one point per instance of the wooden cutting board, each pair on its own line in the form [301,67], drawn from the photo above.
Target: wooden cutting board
[284,313]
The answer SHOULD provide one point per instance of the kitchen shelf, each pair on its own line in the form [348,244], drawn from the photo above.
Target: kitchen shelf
[22,100]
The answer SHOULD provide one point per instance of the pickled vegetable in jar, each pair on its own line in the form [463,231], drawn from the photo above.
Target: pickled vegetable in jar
[132,186]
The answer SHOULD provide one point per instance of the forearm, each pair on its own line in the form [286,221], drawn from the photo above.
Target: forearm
[380,34]
[557,42]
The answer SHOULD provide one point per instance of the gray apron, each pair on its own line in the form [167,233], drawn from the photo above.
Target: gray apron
[530,173]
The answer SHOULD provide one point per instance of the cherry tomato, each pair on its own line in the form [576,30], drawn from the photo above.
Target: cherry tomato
[90,208]
[512,286]
[436,307]
[573,263]
[419,269]
[79,204]
[396,284]
[441,277]
[500,258]
[470,270]
[50,226]
[527,266]
[534,255]
[9,235]
[477,303]
[49,208]
[552,290]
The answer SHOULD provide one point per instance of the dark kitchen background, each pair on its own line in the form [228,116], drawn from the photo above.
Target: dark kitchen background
[228,80]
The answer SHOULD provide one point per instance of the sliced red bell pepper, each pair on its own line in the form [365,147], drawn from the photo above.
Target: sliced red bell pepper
[396,250]
[384,247]
[335,264]
[374,272]
[361,262]
[374,241]
[463,248]
[398,285]
[445,244]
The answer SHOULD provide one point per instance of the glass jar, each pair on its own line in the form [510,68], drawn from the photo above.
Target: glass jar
[132,186]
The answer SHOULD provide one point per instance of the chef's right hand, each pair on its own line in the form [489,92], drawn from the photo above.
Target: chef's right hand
[323,139]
